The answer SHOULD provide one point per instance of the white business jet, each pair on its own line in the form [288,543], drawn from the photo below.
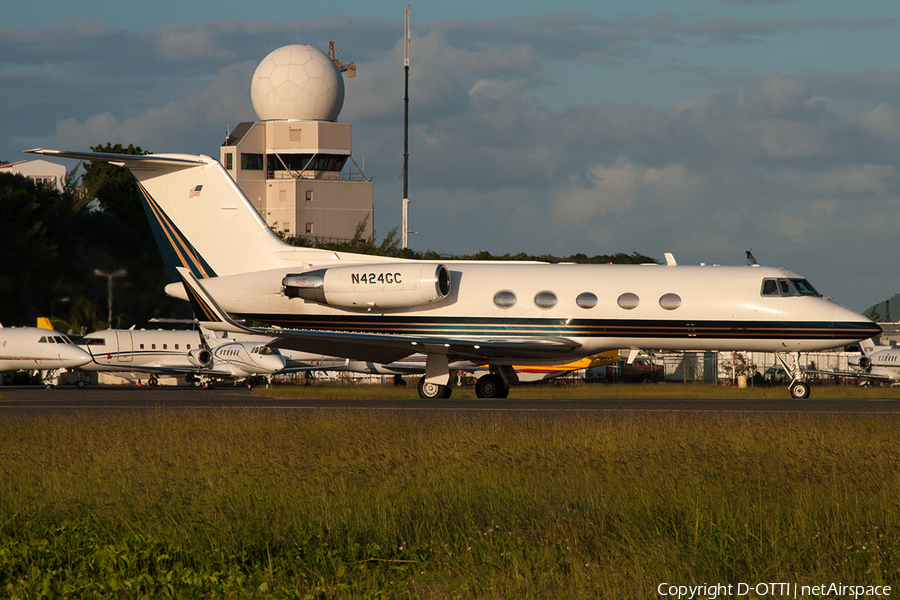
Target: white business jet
[203,360]
[501,314]
[875,363]
[39,350]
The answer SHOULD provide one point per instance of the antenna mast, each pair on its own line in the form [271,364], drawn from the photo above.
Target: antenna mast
[405,223]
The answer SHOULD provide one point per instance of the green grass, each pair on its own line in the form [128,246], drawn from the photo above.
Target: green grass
[233,504]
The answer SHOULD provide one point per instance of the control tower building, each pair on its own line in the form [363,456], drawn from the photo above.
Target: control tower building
[294,164]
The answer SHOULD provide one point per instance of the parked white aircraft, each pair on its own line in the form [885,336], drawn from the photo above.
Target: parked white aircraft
[502,314]
[203,360]
[876,362]
[38,349]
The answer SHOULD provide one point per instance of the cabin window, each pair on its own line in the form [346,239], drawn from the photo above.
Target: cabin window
[142,346]
[176,346]
[628,301]
[670,301]
[586,300]
[153,346]
[504,299]
[545,300]
[188,346]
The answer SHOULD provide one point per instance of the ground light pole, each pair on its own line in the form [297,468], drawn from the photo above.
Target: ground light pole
[110,277]
[405,219]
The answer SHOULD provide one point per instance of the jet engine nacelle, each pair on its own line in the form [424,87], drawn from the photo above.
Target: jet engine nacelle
[388,285]
[200,357]
[863,362]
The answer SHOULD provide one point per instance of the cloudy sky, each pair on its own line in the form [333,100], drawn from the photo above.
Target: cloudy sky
[702,127]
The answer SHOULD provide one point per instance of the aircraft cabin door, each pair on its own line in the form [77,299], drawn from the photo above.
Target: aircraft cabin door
[126,346]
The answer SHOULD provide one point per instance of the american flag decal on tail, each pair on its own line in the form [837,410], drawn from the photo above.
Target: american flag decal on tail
[195,191]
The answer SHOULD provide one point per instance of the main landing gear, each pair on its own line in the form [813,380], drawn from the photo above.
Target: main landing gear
[495,384]
[430,390]
[491,386]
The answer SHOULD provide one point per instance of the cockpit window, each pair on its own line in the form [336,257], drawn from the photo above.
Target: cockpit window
[787,287]
[93,342]
[266,350]
[804,287]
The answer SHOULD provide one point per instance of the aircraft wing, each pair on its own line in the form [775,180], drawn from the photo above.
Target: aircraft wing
[375,347]
[856,374]
[183,370]
[385,348]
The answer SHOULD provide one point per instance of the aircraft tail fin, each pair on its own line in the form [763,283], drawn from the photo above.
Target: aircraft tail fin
[44,323]
[868,346]
[200,218]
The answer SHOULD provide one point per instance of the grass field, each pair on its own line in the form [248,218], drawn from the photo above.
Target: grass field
[222,504]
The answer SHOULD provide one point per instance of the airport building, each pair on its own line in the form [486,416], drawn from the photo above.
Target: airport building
[41,172]
[295,163]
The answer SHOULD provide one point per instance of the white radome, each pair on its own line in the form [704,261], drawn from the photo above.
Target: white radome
[297,82]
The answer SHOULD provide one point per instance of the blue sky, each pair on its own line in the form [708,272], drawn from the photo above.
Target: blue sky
[702,128]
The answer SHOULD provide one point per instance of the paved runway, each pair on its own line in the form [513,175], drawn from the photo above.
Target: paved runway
[34,400]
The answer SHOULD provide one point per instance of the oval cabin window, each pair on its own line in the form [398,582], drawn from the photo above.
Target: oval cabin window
[545,300]
[670,301]
[628,301]
[586,300]
[504,299]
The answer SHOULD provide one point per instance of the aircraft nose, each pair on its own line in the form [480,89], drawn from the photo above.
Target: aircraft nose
[849,325]
[277,364]
[74,356]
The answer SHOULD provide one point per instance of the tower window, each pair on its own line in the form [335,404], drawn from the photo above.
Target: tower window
[251,162]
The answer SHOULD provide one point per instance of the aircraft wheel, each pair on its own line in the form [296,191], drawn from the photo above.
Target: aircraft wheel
[799,390]
[80,384]
[491,386]
[431,390]
[211,384]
